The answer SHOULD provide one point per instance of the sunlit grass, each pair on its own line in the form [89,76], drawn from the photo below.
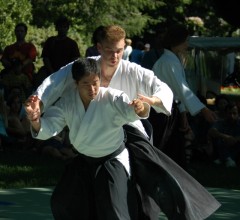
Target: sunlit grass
[27,169]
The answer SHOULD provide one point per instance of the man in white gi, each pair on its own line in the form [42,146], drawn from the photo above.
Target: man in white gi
[174,199]
[95,116]
[116,73]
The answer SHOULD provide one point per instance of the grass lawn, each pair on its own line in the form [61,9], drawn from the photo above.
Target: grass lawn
[20,169]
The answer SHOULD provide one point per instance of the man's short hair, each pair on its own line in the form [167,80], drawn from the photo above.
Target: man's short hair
[22,25]
[62,20]
[112,33]
[84,67]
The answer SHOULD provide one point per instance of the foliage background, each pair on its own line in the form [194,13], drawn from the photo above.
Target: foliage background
[140,18]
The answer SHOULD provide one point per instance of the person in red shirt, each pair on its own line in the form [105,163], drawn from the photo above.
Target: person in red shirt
[20,54]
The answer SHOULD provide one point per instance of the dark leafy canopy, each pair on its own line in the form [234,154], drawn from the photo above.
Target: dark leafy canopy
[139,17]
[136,16]
[89,14]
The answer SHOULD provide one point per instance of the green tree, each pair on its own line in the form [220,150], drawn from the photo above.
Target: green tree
[12,12]
[86,15]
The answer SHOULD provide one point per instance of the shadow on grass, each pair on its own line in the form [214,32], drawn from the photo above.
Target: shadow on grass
[25,204]
[33,203]
[230,200]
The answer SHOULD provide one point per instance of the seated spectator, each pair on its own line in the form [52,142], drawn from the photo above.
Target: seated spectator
[3,121]
[59,50]
[18,124]
[225,134]
[58,146]
[21,52]
[218,106]
[221,102]
[92,50]
[17,79]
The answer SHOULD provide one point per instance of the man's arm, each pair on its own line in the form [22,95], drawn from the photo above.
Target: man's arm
[152,101]
[228,139]
[54,86]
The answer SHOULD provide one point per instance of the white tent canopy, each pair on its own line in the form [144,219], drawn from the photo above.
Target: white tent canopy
[213,43]
[211,59]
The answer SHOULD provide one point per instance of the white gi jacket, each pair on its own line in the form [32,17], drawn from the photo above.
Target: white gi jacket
[129,77]
[96,132]
[132,79]
[169,69]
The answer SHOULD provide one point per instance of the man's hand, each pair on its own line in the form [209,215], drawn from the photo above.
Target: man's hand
[150,100]
[32,108]
[141,109]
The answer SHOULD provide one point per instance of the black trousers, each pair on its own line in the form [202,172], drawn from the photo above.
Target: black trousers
[95,190]
[166,134]
[158,190]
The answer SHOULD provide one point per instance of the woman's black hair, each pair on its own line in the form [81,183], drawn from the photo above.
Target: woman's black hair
[175,35]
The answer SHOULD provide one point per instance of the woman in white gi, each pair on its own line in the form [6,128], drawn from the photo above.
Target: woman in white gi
[150,165]
[97,179]
[170,70]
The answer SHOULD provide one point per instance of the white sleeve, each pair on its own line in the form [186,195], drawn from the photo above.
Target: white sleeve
[126,113]
[175,78]
[52,122]
[54,86]
[151,85]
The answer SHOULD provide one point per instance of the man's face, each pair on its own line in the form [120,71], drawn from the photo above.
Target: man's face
[88,87]
[111,52]
[62,29]
[20,33]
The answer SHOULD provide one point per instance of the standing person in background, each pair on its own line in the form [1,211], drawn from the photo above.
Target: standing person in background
[147,47]
[171,71]
[225,135]
[93,51]
[21,53]
[128,49]
[59,50]
[151,56]
[137,53]
[18,125]
[159,177]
